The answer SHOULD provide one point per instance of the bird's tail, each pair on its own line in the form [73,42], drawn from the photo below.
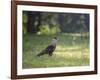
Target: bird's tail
[41,53]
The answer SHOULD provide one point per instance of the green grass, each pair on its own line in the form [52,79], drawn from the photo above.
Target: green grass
[71,50]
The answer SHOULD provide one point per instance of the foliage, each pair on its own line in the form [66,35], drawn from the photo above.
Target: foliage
[50,22]
[47,30]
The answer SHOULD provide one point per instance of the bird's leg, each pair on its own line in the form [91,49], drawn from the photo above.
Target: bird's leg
[50,54]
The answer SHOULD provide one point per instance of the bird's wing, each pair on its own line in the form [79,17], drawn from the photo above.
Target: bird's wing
[50,48]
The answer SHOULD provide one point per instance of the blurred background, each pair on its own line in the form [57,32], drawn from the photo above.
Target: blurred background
[51,23]
[40,27]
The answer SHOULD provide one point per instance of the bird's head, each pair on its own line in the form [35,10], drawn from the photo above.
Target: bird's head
[54,41]
[55,38]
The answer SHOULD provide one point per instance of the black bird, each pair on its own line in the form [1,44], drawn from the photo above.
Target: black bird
[49,49]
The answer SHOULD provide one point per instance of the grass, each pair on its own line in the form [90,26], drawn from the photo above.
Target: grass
[71,50]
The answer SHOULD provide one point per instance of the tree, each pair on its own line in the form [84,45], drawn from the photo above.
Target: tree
[33,22]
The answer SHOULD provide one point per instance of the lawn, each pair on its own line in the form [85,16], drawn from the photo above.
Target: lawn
[71,50]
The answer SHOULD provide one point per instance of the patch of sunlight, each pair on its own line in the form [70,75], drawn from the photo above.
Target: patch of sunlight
[67,54]
[62,48]
[77,34]
[71,54]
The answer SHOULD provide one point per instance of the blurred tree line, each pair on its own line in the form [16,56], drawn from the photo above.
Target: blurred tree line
[51,23]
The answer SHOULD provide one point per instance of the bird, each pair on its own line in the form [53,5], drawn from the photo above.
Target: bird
[50,48]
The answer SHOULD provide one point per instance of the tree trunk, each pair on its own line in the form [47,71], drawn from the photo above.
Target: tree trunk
[33,17]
